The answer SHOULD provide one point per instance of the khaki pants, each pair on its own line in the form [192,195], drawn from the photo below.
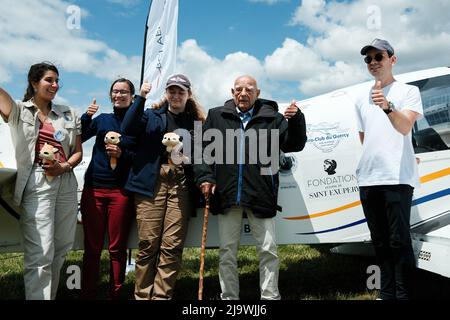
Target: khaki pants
[263,231]
[162,226]
[48,224]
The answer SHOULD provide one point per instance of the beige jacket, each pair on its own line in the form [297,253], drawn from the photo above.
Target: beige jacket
[24,125]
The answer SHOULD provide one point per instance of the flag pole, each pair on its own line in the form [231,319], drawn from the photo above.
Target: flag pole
[145,45]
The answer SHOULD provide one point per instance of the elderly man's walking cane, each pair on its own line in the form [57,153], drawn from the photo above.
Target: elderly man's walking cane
[202,254]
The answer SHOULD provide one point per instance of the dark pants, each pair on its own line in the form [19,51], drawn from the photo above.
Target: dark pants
[105,211]
[387,210]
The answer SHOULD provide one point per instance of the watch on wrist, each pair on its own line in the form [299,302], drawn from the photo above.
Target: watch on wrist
[390,108]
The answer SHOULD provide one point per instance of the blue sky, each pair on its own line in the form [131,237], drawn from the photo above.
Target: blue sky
[295,49]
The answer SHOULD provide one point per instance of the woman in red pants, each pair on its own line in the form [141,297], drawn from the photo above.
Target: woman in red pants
[106,207]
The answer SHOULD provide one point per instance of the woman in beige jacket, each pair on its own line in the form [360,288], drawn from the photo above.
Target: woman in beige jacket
[47,193]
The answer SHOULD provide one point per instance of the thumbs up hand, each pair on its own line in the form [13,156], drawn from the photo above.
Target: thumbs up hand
[378,97]
[377,85]
[291,110]
[145,89]
[92,109]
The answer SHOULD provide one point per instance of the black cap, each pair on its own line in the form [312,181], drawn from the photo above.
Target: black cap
[179,80]
[380,45]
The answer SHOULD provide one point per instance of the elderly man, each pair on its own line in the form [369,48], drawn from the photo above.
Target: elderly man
[246,184]
[387,172]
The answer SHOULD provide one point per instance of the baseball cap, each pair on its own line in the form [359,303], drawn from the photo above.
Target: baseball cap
[380,45]
[179,80]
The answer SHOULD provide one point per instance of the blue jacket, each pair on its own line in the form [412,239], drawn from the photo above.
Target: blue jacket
[148,127]
[99,173]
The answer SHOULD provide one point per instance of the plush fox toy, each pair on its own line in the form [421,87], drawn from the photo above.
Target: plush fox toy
[47,154]
[173,143]
[112,137]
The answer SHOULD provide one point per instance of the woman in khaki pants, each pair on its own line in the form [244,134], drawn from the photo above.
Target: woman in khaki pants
[164,196]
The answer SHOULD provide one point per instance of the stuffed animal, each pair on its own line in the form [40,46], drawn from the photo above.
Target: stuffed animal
[173,144]
[47,154]
[112,137]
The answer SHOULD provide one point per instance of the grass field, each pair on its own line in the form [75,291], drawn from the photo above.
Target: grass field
[306,273]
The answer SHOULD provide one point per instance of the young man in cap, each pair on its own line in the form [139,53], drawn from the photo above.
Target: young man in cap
[387,172]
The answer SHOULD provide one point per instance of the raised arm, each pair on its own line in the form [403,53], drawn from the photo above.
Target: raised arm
[6,104]
[134,122]
[88,126]
[293,134]
[402,119]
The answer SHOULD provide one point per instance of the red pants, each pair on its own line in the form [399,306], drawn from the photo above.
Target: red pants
[110,211]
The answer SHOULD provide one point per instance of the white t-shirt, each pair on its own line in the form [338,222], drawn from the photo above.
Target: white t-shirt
[387,156]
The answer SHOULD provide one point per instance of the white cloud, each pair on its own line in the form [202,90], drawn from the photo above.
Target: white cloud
[338,76]
[212,78]
[312,14]
[61,100]
[294,61]
[330,58]
[419,32]
[28,38]
[5,75]
[327,60]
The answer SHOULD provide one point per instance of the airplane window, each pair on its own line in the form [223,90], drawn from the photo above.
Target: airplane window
[432,132]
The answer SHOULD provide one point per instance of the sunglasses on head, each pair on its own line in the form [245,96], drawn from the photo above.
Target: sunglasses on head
[378,57]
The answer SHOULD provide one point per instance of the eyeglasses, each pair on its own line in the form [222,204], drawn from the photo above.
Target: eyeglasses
[378,57]
[121,92]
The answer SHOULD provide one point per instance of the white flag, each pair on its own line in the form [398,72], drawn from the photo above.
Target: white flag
[160,47]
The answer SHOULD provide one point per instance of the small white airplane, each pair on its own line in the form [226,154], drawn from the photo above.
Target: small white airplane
[318,188]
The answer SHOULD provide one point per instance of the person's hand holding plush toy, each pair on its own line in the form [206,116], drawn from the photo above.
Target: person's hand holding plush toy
[173,144]
[112,140]
[47,154]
